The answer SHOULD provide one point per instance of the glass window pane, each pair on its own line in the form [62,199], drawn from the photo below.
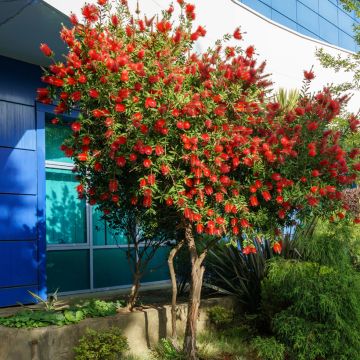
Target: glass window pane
[158,267]
[103,234]
[67,270]
[287,8]
[307,18]
[65,213]
[283,20]
[329,32]
[111,268]
[54,137]
[328,11]
[259,6]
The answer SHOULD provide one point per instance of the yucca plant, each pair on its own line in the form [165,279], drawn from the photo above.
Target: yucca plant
[287,99]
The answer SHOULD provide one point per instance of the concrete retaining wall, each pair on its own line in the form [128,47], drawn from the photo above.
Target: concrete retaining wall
[143,330]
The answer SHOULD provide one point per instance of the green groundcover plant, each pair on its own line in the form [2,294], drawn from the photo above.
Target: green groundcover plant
[71,315]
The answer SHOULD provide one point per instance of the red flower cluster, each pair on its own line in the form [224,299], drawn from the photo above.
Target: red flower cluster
[163,126]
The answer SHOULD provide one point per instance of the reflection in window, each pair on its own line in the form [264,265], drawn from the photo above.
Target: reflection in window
[65,213]
[103,234]
[55,136]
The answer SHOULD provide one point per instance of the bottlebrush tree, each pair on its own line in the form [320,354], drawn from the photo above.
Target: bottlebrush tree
[165,128]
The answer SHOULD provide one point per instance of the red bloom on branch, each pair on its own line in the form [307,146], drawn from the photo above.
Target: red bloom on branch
[75,126]
[277,247]
[90,12]
[150,103]
[46,50]
[237,34]
[309,75]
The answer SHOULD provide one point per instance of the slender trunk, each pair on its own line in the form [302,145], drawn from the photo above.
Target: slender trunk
[197,273]
[172,254]
[134,290]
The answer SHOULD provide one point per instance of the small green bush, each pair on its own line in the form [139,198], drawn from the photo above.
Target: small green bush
[165,350]
[220,316]
[268,348]
[313,309]
[108,344]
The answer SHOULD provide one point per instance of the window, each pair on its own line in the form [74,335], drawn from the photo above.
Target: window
[83,252]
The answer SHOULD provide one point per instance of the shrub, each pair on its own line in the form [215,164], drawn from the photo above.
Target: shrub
[313,309]
[220,316]
[268,348]
[165,350]
[107,344]
[234,273]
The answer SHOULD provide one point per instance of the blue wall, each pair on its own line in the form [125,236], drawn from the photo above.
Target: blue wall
[320,19]
[22,163]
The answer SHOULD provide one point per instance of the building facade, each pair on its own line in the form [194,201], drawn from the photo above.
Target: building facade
[49,239]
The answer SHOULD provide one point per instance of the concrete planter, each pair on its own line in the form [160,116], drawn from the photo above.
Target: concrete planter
[143,330]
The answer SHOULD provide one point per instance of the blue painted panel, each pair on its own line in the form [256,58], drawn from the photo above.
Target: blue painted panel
[19,81]
[287,8]
[18,169]
[346,41]
[307,18]
[312,4]
[16,295]
[259,6]
[329,11]
[283,20]
[17,126]
[19,263]
[18,217]
[328,32]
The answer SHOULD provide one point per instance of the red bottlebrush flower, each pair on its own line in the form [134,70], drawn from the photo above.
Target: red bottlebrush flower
[120,108]
[356,166]
[199,228]
[124,76]
[55,121]
[249,249]
[159,150]
[147,163]
[80,188]
[266,195]
[281,214]
[315,173]
[76,126]
[94,93]
[115,20]
[312,201]
[189,10]
[86,140]
[276,177]
[46,50]
[309,75]
[113,185]
[357,220]
[42,92]
[237,34]
[277,247]
[115,198]
[201,31]
[142,183]
[82,156]
[120,161]
[73,19]
[250,51]
[169,201]
[102,2]
[163,26]
[151,179]
[97,167]
[312,126]
[254,201]
[150,103]
[90,12]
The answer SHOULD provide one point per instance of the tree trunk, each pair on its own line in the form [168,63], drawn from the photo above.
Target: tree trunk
[134,291]
[172,254]
[197,273]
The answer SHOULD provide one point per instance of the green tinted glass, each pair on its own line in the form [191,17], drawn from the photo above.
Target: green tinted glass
[103,234]
[65,213]
[54,137]
[157,268]
[111,268]
[67,270]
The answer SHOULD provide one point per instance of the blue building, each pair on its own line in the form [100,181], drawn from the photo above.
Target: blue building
[49,239]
